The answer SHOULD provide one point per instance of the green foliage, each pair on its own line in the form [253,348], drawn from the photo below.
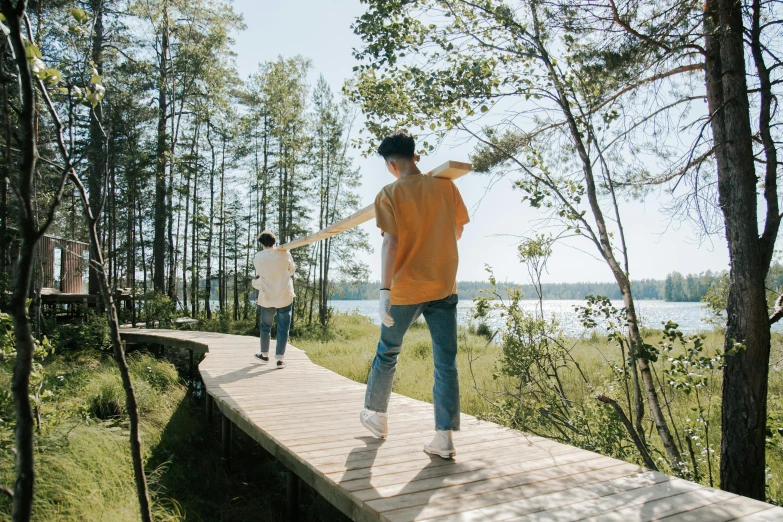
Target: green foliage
[421,350]
[90,332]
[157,309]
[483,330]
[145,367]
[224,322]
[534,364]
[40,391]
[7,355]
[690,288]
[688,368]
[717,298]
[105,395]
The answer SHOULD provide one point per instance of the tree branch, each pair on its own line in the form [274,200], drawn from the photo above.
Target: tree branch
[648,39]
[648,461]
[772,221]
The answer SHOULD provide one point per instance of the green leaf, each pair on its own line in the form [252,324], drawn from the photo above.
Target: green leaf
[484,108]
[96,78]
[54,76]
[31,50]
[80,15]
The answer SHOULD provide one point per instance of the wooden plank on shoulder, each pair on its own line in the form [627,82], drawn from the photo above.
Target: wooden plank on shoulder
[450,170]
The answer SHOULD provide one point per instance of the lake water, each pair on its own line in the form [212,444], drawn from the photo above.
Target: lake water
[690,316]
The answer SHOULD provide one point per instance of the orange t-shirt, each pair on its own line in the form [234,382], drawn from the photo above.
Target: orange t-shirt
[424,213]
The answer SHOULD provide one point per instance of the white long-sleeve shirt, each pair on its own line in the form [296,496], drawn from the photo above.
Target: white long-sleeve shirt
[274,268]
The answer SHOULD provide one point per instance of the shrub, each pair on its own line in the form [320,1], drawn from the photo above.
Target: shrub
[6,399]
[91,332]
[483,330]
[158,310]
[105,395]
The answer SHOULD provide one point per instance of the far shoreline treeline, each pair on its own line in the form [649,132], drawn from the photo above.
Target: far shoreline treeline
[676,287]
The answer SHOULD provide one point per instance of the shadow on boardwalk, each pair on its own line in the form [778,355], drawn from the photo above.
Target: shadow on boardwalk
[363,458]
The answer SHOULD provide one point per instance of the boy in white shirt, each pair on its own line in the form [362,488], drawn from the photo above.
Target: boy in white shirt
[274,268]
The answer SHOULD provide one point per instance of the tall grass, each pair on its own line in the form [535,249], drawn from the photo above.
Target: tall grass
[83,468]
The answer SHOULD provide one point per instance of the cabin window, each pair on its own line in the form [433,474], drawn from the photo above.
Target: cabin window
[57,268]
[85,271]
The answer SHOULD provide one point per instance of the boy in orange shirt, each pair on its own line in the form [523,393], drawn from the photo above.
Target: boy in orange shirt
[422,218]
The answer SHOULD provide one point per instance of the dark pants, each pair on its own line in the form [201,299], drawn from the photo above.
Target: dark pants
[283,326]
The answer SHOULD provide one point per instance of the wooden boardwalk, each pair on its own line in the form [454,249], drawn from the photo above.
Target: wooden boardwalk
[308,417]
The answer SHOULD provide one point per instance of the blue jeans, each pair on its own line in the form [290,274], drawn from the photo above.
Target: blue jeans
[441,317]
[283,325]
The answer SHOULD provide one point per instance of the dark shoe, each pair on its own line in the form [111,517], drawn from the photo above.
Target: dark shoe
[280,365]
[262,357]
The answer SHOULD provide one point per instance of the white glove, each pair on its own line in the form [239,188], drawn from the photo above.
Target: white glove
[384,308]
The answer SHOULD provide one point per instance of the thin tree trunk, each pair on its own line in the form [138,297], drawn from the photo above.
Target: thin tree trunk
[193,154]
[143,250]
[95,151]
[222,232]
[194,240]
[236,271]
[159,240]
[29,234]
[25,346]
[637,439]
[115,262]
[131,249]
[208,278]
[172,275]
[4,242]
[265,179]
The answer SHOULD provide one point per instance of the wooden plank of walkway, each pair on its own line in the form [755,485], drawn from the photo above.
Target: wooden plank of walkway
[308,417]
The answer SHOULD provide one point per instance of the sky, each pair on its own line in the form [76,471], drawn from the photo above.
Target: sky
[320,30]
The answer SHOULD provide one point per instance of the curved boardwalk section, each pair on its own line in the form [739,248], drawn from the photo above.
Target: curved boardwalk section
[308,417]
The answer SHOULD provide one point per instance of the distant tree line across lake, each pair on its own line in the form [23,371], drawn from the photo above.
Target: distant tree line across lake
[675,287]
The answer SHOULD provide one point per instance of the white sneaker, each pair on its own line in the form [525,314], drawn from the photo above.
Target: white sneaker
[441,445]
[375,422]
